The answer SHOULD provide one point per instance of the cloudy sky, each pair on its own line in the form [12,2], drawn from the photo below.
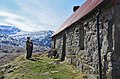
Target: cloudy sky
[36,15]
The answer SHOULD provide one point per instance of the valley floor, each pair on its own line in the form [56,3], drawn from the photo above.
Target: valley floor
[38,67]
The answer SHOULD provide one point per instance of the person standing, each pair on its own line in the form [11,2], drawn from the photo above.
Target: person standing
[31,48]
[28,48]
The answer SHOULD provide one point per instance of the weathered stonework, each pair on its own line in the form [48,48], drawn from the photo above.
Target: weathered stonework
[80,43]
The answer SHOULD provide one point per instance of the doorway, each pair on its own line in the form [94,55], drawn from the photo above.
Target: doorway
[63,48]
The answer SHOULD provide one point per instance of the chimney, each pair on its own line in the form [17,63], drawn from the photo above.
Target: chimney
[75,8]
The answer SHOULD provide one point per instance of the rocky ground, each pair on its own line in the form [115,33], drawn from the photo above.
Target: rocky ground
[8,53]
[6,57]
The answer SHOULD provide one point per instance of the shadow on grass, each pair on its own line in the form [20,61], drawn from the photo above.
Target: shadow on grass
[35,59]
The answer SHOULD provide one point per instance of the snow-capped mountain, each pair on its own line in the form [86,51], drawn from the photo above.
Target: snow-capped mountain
[8,29]
[10,35]
[41,38]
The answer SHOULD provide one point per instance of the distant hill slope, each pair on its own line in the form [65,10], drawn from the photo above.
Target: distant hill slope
[10,35]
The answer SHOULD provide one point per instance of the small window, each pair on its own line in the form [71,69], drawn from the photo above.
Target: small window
[81,38]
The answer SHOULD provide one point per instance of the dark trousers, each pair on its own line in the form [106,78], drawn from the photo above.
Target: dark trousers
[28,54]
[31,53]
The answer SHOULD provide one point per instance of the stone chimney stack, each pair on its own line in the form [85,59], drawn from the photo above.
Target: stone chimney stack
[75,8]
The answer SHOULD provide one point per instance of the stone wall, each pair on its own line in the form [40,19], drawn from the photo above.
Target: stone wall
[58,41]
[115,57]
[81,44]
[72,43]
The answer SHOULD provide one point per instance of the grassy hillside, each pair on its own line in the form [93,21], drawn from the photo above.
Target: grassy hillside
[39,67]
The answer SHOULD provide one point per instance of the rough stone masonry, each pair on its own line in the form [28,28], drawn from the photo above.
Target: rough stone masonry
[77,44]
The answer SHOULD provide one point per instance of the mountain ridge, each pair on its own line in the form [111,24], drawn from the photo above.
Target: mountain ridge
[15,37]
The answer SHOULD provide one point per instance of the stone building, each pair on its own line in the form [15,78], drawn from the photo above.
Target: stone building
[76,39]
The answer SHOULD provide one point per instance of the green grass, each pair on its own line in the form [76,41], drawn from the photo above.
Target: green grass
[40,67]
